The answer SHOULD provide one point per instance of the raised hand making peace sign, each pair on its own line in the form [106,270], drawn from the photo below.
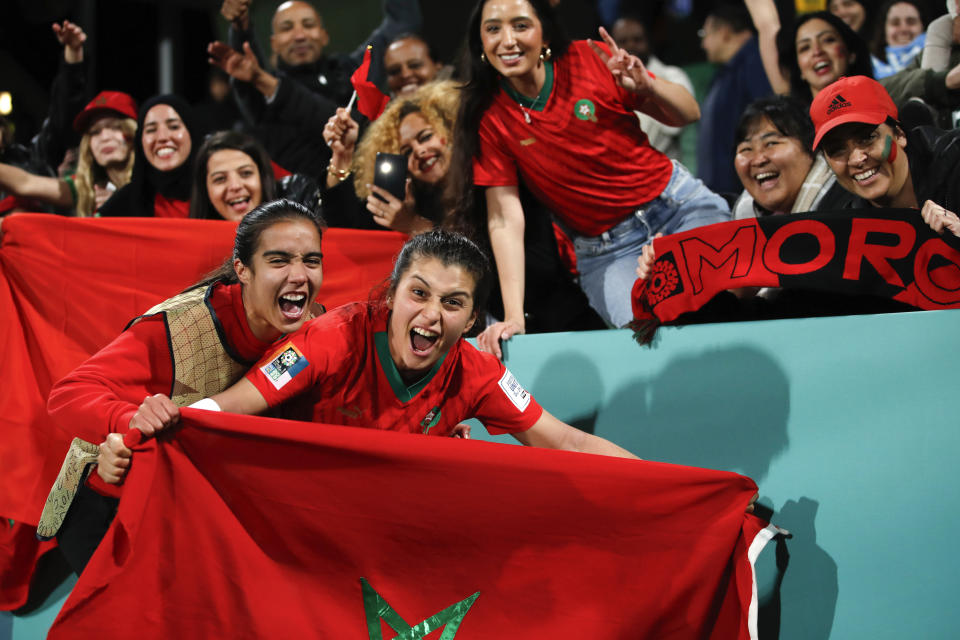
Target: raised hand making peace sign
[628,69]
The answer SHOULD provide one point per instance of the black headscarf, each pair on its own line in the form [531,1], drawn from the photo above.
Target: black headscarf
[136,198]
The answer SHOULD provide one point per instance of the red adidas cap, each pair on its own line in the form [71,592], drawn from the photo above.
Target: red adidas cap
[852,99]
[106,103]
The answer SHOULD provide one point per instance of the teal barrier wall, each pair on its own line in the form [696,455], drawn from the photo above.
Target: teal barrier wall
[848,425]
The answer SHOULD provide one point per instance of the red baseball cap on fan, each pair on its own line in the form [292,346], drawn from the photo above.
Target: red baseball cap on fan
[114,103]
[851,99]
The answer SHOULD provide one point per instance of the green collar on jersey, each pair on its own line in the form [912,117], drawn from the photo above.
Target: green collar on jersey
[533,104]
[402,391]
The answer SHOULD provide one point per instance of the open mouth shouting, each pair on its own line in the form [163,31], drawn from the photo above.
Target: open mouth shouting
[292,305]
[422,341]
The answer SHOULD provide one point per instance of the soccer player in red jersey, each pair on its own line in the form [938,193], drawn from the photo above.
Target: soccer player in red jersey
[194,344]
[401,363]
[560,116]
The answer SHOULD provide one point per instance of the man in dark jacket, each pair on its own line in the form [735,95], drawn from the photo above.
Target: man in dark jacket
[288,108]
[728,39]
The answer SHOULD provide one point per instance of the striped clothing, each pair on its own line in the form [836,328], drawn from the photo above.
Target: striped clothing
[583,153]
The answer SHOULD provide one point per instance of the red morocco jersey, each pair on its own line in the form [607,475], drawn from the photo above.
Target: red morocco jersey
[341,363]
[584,154]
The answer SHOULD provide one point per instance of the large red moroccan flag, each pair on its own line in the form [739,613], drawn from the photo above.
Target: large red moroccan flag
[67,287]
[247,527]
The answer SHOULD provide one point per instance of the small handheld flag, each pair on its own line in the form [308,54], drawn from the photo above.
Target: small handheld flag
[370,100]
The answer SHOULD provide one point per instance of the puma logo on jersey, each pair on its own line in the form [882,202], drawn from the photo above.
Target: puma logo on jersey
[351,412]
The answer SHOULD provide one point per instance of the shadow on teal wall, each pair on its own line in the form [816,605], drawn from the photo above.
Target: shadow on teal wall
[848,425]
[677,407]
[808,566]
[672,415]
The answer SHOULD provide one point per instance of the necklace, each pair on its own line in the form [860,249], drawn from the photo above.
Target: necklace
[533,106]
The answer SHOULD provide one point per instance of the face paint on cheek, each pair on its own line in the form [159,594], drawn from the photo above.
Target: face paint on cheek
[889,150]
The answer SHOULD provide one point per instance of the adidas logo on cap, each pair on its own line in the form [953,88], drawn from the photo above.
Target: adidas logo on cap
[839,102]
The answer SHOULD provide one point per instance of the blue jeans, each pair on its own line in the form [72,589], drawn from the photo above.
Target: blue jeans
[608,262]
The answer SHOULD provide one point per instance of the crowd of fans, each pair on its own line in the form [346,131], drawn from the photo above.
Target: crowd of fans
[538,166]
[560,158]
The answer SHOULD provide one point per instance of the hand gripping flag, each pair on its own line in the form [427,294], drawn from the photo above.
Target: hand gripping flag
[370,100]
[57,307]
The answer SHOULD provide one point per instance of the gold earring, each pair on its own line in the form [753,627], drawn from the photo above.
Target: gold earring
[483,57]
[545,54]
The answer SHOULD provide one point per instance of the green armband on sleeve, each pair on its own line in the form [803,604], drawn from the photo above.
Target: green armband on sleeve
[73,188]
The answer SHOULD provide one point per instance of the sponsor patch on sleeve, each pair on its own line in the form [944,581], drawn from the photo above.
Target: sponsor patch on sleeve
[285,366]
[519,396]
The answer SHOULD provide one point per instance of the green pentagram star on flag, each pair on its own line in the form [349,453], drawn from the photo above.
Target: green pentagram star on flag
[376,608]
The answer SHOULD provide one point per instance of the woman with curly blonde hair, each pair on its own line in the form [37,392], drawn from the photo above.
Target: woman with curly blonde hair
[420,126]
[417,126]
[105,159]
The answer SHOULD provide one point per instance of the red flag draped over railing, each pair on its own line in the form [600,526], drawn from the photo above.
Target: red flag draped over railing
[68,286]
[247,527]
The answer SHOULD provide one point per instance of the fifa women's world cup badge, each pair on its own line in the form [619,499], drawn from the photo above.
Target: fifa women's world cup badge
[285,364]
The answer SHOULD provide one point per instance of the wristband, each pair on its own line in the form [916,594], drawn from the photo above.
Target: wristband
[207,404]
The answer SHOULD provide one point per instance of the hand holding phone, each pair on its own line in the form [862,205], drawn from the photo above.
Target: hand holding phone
[390,174]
